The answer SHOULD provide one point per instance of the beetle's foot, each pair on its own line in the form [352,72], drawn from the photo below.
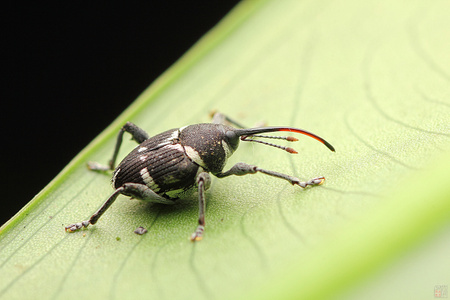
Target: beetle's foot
[95,166]
[198,234]
[77,226]
[311,182]
[140,230]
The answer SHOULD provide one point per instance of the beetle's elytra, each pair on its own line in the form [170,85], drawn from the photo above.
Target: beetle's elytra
[164,166]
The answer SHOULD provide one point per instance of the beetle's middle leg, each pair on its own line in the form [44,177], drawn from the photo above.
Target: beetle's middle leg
[240,169]
[137,134]
[203,183]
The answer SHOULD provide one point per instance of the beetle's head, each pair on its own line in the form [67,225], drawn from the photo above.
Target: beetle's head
[252,135]
[210,145]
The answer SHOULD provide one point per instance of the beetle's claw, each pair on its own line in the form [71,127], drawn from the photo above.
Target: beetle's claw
[312,182]
[198,234]
[72,228]
[76,226]
[317,181]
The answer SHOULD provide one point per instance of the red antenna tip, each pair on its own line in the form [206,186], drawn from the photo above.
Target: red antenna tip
[291,139]
[291,150]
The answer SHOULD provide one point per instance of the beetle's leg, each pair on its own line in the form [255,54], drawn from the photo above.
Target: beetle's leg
[203,183]
[135,190]
[94,218]
[219,118]
[143,192]
[138,134]
[240,169]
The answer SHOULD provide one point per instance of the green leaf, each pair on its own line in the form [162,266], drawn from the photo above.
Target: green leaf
[371,77]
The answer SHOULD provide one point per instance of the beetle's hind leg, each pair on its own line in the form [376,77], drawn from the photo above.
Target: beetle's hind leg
[137,134]
[240,169]
[203,183]
[94,218]
[134,190]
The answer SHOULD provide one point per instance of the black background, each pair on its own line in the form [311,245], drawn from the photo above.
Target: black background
[68,70]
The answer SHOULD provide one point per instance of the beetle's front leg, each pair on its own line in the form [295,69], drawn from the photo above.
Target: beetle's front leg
[220,118]
[137,134]
[203,183]
[240,169]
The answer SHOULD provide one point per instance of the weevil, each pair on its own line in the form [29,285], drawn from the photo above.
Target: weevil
[163,167]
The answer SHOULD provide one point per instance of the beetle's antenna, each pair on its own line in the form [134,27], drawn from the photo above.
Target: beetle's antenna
[288,149]
[287,138]
[249,132]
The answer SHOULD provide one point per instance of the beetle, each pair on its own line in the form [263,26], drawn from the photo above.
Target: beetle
[163,167]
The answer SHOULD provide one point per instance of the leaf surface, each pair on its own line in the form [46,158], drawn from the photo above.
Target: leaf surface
[371,77]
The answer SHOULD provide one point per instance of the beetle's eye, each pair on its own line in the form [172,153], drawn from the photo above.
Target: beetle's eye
[231,135]
[232,139]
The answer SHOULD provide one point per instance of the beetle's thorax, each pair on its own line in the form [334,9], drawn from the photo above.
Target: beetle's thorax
[207,145]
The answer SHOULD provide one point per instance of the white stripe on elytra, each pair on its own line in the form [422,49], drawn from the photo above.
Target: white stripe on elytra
[113,180]
[148,180]
[175,147]
[169,140]
[174,135]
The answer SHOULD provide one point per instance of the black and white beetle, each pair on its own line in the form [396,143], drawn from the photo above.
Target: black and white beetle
[162,167]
